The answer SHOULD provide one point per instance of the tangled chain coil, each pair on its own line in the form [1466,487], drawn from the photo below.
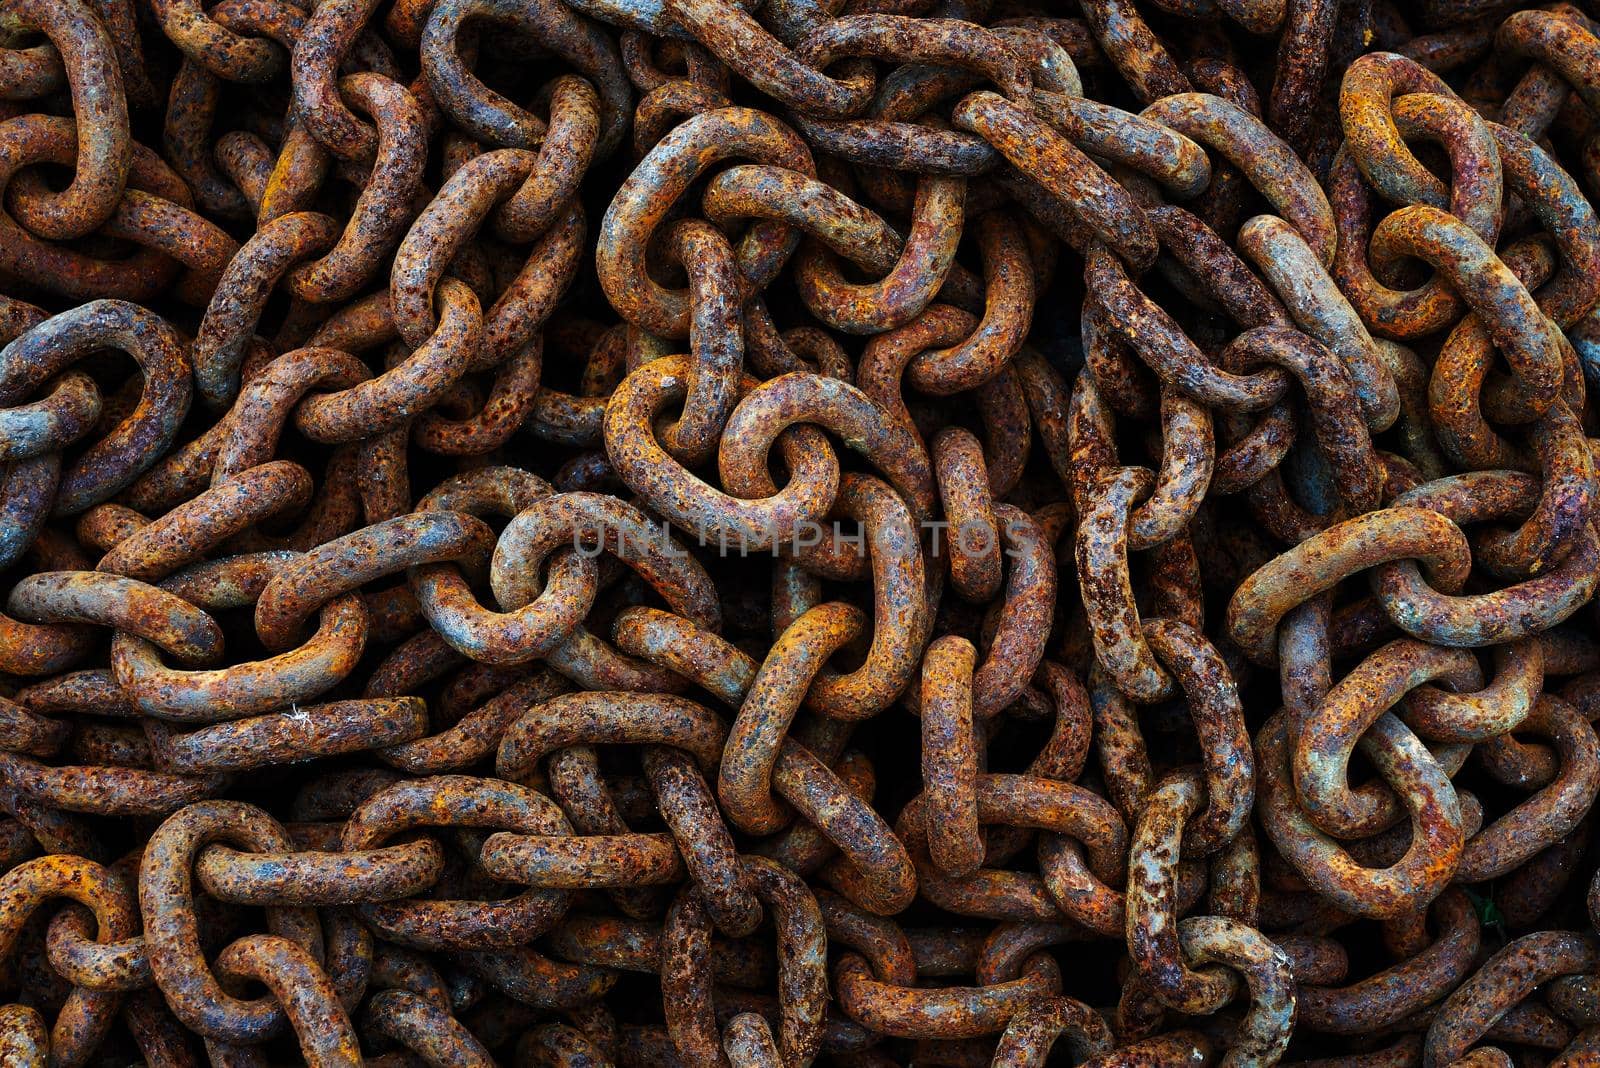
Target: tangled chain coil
[873,532]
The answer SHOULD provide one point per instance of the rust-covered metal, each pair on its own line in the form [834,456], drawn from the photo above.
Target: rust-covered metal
[681,532]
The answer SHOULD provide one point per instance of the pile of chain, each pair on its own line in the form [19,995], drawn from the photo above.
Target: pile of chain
[856,532]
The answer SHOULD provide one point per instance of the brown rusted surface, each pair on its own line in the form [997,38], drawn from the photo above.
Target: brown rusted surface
[798,533]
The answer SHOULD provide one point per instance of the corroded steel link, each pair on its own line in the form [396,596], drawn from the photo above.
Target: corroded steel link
[1475,198]
[736,38]
[650,192]
[1333,403]
[186,135]
[1010,289]
[1456,383]
[1505,979]
[748,1040]
[249,435]
[316,730]
[1185,1046]
[485,114]
[1269,164]
[294,179]
[558,1046]
[1411,984]
[1562,44]
[426,1028]
[577,419]
[32,72]
[1508,614]
[1303,58]
[923,148]
[87,1016]
[882,880]
[1552,812]
[77,956]
[242,294]
[1148,147]
[465,424]
[382,210]
[194,528]
[874,868]
[315,578]
[770,702]
[661,108]
[385,402]
[591,718]
[777,404]
[225,53]
[1326,740]
[166,228]
[565,152]
[914,267]
[950,758]
[578,863]
[690,650]
[1367,96]
[1073,888]
[1107,589]
[1088,194]
[940,1012]
[1564,506]
[172,623]
[1134,50]
[144,430]
[68,412]
[104,790]
[439,234]
[1264,1031]
[33,139]
[100,110]
[319,878]
[1157,339]
[468,802]
[111,916]
[1229,772]
[902,617]
[1008,422]
[689,809]
[1494,709]
[172,932]
[1031,1033]
[309,1000]
[1429,860]
[537,627]
[1153,940]
[206,695]
[1291,267]
[587,522]
[973,538]
[1321,562]
[1187,460]
[1519,329]
[886,356]
[1553,197]
[716,341]
[932,41]
[802,975]
[319,49]
[474,736]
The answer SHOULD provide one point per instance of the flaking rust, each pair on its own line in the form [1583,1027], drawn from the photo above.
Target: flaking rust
[674,532]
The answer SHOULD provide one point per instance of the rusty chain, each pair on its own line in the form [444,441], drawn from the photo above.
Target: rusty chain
[596,533]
